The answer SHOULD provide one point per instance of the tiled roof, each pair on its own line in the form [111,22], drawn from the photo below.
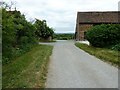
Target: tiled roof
[99,17]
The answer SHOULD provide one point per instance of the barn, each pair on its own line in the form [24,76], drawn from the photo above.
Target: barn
[86,20]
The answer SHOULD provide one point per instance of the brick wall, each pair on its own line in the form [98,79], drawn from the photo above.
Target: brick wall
[86,20]
[82,29]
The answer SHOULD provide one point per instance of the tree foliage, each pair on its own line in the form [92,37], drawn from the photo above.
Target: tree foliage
[19,35]
[42,30]
[104,35]
[64,36]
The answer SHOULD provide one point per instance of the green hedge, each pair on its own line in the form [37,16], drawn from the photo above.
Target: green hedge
[20,35]
[116,47]
[104,35]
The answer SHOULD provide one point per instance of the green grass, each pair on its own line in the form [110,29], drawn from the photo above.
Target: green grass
[104,54]
[28,70]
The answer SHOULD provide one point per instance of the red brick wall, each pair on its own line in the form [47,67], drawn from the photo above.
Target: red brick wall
[82,29]
[85,20]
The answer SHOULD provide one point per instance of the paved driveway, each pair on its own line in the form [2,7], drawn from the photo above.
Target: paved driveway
[71,67]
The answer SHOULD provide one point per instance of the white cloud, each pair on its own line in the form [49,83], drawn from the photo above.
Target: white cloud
[61,14]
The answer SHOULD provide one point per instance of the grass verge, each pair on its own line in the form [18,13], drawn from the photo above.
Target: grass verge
[104,54]
[28,70]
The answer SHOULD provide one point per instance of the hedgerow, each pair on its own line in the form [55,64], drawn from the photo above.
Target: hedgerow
[20,35]
[104,35]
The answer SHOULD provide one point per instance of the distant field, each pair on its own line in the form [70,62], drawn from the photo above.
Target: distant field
[29,70]
[104,54]
[64,36]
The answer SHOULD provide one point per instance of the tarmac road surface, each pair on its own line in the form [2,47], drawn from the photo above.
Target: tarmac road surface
[71,67]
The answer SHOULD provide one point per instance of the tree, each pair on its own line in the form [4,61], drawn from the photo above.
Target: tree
[8,34]
[42,30]
[19,35]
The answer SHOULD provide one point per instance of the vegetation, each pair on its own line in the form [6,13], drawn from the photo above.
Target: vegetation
[24,60]
[107,55]
[28,70]
[19,35]
[116,47]
[105,35]
[43,32]
[64,36]
[0,47]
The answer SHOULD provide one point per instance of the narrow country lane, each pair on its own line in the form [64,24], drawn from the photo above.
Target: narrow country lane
[71,67]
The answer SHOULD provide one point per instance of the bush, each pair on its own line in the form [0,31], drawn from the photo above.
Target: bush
[116,47]
[104,35]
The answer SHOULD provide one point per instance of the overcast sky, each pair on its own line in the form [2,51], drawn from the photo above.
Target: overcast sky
[61,14]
